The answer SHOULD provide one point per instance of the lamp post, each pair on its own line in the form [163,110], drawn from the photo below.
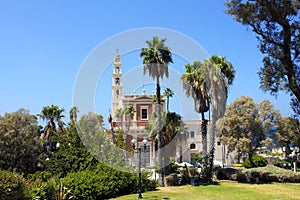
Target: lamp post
[295,159]
[134,145]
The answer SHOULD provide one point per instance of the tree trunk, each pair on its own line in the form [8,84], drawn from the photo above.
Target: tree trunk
[212,149]
[160,167]
[204,136]
[251,160]
[168,103]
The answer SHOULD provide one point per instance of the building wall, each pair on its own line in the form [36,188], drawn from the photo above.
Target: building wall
[193,145]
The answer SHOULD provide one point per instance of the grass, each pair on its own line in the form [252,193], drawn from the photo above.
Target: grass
[224,190]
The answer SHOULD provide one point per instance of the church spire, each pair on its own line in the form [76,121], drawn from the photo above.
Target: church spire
[117,83]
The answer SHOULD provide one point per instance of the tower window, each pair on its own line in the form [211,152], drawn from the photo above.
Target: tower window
[117,92]
[117,70]
[117,81]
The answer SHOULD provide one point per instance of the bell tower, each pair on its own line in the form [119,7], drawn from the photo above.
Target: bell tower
[117,83]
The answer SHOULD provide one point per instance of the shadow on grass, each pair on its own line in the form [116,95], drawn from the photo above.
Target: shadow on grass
[156,198]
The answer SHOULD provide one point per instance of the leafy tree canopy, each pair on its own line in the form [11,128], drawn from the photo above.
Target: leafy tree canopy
[20,144]
[288,133]
[277,27]
[247,124]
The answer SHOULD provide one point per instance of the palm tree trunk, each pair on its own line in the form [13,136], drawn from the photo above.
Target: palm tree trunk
[204,137]
[168,103]
[212,149]
[160,167]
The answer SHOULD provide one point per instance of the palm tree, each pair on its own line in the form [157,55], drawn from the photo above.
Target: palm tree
[51,114]
[208,83]
[195,86]
[219,88]
[173,133]
[73,114]
[128,112]
[169,93]
[119,114]
[155,60]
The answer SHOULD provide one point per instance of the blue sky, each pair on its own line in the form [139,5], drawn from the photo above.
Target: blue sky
[43,45]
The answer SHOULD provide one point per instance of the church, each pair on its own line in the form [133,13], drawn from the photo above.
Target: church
[134,125]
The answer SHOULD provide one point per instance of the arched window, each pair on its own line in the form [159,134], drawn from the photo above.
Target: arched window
[117,81]
[117,70]
[193,146]
[117,92]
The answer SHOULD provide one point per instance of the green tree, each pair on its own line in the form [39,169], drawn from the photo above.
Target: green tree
[69,154]
[287,133]
[247,125]
[156,58]
[95,139]
[168,93]
[277,27]
[73,114]
[20,143]
[51,114]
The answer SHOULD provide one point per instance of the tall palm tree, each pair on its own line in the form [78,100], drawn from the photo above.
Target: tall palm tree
[168,93]
[208,83]
[51,114]
[194,85]
[156,58]
[218,91]
[73,114]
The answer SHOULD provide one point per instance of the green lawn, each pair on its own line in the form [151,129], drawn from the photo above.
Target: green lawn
[224,190]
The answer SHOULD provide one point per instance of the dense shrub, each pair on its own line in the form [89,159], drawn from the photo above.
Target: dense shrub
[174,166]
[172,180]
[279,162]
[37,189]
[266,174]
[184,177]
[258,160]
[44,175]
[12,186]
[226,174]
[103,183]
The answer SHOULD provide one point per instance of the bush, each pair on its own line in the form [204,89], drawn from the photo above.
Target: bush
[279,162]
[226,174]
[172,180]
[266,174]
[258,160]
[174,166]
[44,175]
[103,183]
[12,186]
[184,177]
[37,189]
